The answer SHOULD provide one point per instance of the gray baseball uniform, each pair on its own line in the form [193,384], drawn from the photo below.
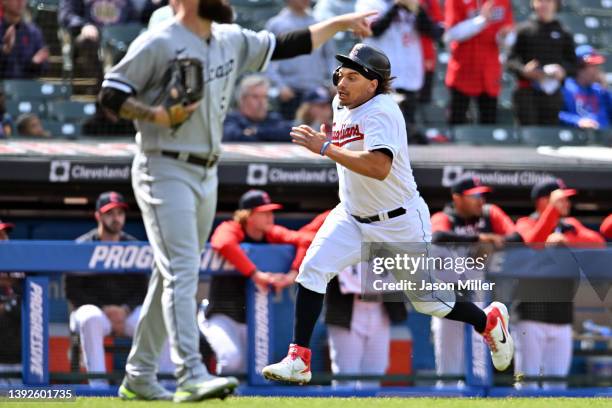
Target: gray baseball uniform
[178,198]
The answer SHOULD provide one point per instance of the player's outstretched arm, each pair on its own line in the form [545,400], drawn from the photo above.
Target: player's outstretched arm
[374,164]
[355,22]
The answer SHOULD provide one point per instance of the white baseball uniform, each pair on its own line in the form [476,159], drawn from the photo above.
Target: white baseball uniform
[376,124]
[542,349]
[92,325]
[364,348]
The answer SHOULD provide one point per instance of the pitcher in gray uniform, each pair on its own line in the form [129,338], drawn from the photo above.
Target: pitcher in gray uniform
[174,174]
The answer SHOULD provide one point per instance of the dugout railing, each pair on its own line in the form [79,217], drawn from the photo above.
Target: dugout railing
[40,260]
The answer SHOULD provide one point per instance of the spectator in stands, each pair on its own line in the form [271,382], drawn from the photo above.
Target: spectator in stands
[315,109]
[428,44]
[297,76]
[586,103]
[252,122]
[468,219]
[543,334]
[606,228]
[24,53]
[359,327]
[106,304]
[224,324]
[397,31]
[11,290]
[83,20]
[6,121]
[29,125]
[541,58]
[473,29]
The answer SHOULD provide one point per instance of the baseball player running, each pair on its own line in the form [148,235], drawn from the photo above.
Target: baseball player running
[379,202]
[194,57]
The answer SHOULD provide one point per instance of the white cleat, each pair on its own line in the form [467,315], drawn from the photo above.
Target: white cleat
[497,336]
[295,368]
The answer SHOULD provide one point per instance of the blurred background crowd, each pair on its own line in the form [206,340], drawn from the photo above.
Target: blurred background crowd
[518,66]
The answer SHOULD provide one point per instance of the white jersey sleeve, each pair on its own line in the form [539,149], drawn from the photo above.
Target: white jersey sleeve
[381,133]
[256,51]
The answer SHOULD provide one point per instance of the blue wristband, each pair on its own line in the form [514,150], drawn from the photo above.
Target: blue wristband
[324,148]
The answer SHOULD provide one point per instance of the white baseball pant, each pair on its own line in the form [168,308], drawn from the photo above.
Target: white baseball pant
[92,325]
[228,339]
[364,349]
[542,349]
[338,245]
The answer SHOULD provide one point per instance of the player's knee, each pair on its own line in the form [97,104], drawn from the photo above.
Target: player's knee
[90,317]
[431,308]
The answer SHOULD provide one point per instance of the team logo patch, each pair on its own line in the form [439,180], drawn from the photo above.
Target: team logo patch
[347,134]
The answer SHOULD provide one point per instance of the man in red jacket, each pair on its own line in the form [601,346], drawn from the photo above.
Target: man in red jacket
[467,219]
[544,332]
[474,70]
[225,323]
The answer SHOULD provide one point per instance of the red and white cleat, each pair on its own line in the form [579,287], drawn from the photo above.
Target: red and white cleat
[497,336]
[294,368]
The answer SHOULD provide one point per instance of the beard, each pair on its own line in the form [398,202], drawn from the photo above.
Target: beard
[216,10]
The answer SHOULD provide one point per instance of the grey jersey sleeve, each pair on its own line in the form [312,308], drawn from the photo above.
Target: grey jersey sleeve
[256,50]
[141,66]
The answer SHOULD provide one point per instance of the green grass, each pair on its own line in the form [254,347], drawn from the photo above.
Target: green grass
[273,402]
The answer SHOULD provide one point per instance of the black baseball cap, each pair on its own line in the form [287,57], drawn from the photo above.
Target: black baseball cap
[6,226]
[469,185]
[544,188]
[109,200]
[257,201]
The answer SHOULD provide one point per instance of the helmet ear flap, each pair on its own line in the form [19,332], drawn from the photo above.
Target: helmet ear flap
[336,76]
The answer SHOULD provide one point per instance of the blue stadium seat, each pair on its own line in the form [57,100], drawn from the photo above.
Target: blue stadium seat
[485,135]
[553,136]
[586,29]
[433,114]
[61,130]
[30,89]
[595,7]
[71,111]
[16,108]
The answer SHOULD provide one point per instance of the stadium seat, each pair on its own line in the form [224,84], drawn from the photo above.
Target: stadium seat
[71,111]
[586,29]
[60,130]
[16,108]
[553,136]
[485,135]
[433,114]
[505,116]
[35,90]
[440,95]
[595,7]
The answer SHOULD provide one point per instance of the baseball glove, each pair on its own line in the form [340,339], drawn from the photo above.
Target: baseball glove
[184,86]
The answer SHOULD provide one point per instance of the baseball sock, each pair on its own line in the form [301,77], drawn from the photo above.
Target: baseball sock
[308,307]
[468,312]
